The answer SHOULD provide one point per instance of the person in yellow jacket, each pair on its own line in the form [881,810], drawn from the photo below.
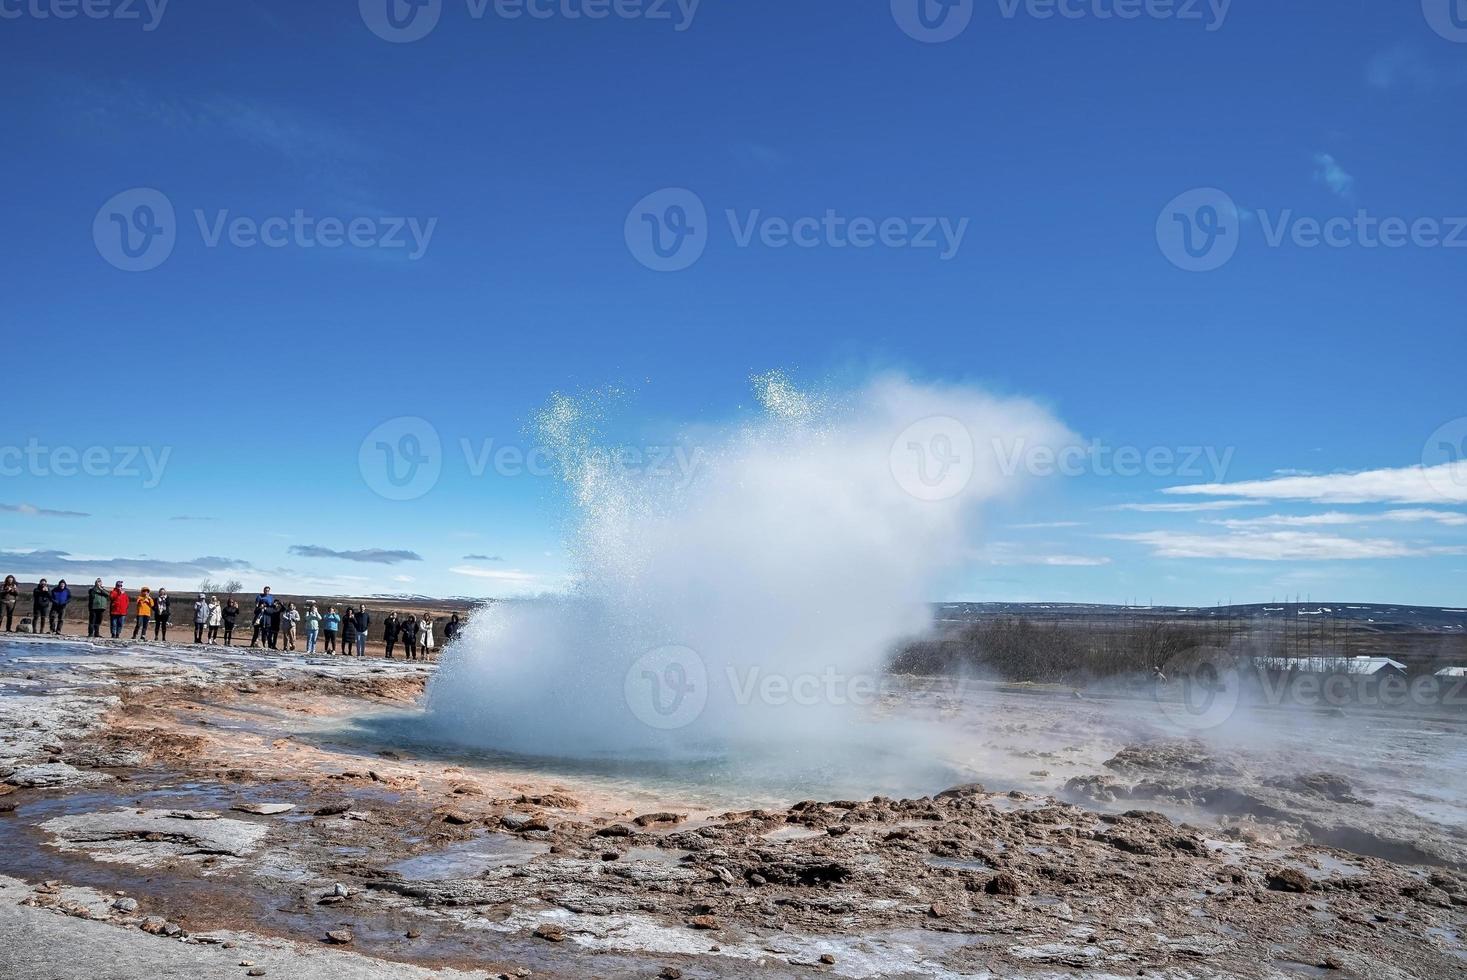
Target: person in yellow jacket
[146,605]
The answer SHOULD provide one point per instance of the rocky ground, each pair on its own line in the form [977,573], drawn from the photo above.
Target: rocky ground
[189,813]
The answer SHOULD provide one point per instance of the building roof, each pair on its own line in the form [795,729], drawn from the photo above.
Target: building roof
[1330,665]
[1452,672]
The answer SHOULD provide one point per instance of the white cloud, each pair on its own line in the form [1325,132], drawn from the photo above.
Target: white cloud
[510,575]
[1340,182]
[1012,553]
[1406,66]
[1187,508]
[1443,483]
[1449,518]
[1278,546]
[1048,524]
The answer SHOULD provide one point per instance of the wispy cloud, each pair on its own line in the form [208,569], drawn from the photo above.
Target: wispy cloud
[187,517]
[1047,524]
[482,558]
[1013,553]
[375,556]
[1443,483]
[1449,518]
[1278,546]
[1329,173]
[1407,66]
[30,510]
[1191,508]
[61,564]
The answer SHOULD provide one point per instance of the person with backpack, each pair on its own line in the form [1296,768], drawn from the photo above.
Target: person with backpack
[117,603]
[40,607]
[96,609]
[161,616]
[60,596]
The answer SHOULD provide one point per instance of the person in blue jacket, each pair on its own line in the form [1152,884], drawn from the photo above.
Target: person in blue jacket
[60,596]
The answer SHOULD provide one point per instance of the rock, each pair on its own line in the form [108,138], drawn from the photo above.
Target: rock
[340,890]
[125,905]
[556,801]
[340,937]
[256,972]
[827,959]
[148,835]
[550,933]
[1289,880]
[414,934]
[1004,883]
[703,922]
[671,973]
[615,830]
[958,792]
[938,910]
[334,809]
[648,819]
[153,925]
[264,809]
[456,817]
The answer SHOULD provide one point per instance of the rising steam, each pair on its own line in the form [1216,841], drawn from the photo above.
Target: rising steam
[799,547]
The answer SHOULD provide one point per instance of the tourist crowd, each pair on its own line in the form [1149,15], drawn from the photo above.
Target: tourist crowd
[275,624]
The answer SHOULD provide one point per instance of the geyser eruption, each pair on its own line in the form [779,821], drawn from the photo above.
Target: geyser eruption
[752,599]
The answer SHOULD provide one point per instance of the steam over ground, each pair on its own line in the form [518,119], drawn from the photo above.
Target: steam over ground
[801,548]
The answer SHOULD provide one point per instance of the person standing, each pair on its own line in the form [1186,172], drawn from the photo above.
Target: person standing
[288,620]
[144,613]
[348,631]
[389,632]
[313,627]
[117,603]
[231,616]
[363,623]
[40,607]
[216,617]
[332,624]
[9,595]
[425,637]
[408,630]
[96,609]
[451,628]
[201,617]
[60,596]
[273,612]
[161,616]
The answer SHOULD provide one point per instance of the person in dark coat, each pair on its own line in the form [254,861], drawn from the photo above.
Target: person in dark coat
[407,631]
[231,616]
[348,631]
[363,623]
[40,607]
[161,615]
[60,596]
[389,632]
[273,613]
[451,628]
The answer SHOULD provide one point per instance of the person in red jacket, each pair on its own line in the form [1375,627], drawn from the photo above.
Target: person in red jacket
[118,608]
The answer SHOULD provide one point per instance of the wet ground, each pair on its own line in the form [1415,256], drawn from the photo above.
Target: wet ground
[276,801]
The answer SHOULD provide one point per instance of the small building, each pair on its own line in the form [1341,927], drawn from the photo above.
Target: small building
[1452,672]
[1358,666]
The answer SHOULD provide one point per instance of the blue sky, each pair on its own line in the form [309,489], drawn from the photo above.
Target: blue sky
[517,148]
